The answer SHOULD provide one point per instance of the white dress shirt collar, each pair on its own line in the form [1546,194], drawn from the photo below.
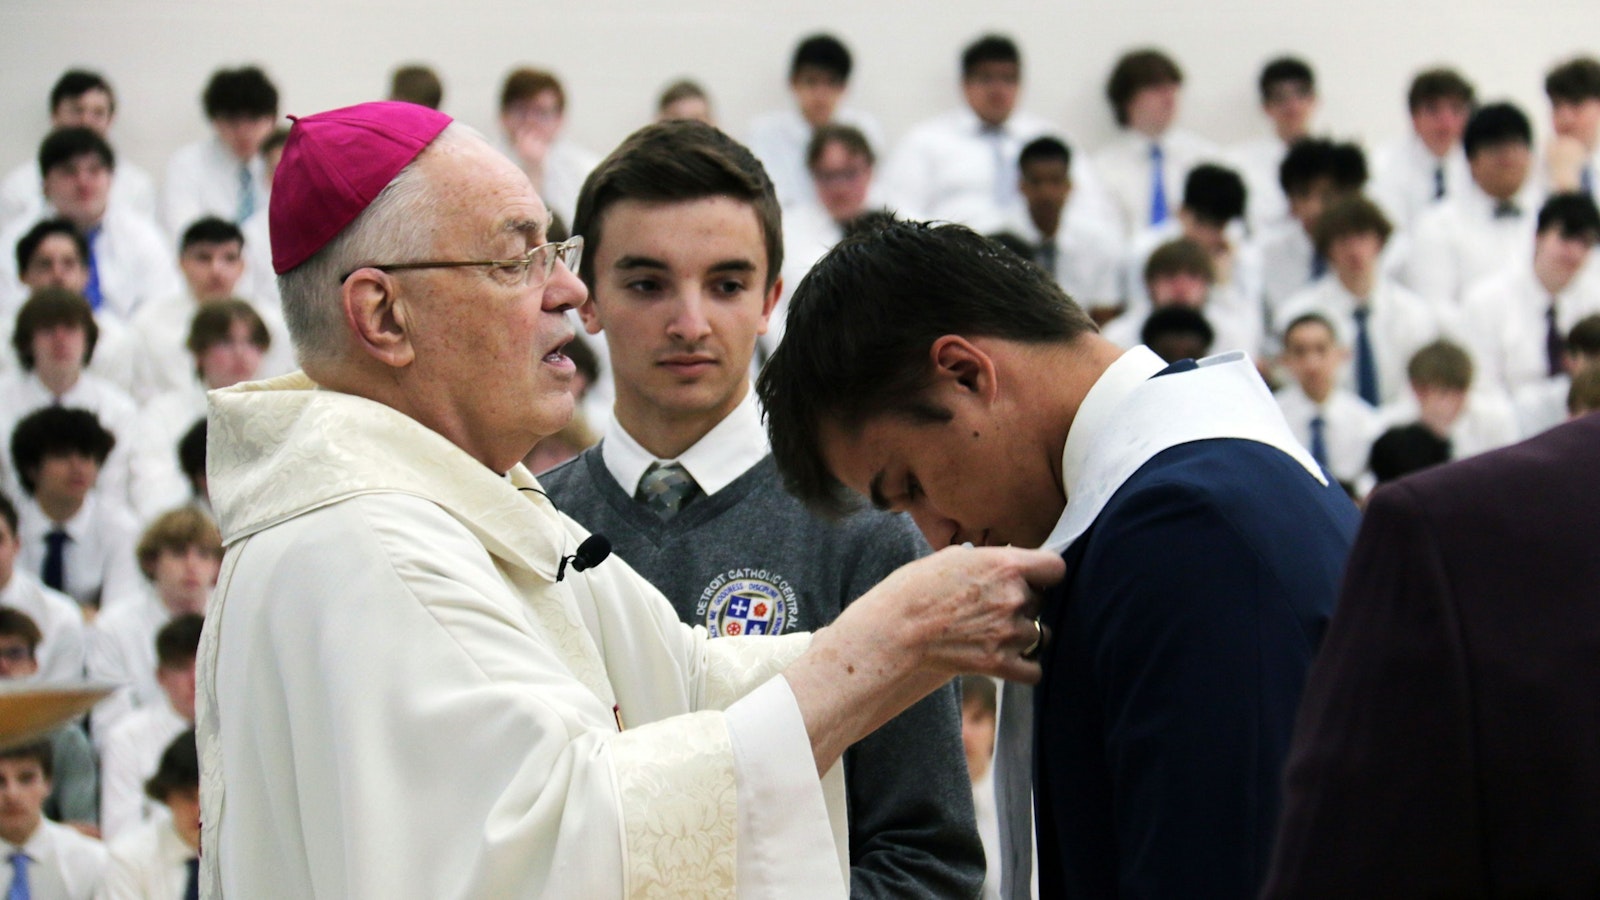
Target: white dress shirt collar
[1113,386]
[727,451]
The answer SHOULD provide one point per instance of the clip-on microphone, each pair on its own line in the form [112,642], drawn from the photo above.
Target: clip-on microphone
[592,552]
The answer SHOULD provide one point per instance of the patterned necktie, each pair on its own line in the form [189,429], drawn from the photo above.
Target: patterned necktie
[1013,788]
[19,877]
[191,888]
[1555,346]
[1158,186]
[247,195]
[1438,181]
[91,291]
[666,489]
[1319,440]
[54,573]
[1366,362]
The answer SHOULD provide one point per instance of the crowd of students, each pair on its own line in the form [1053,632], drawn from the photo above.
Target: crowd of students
[1439,302]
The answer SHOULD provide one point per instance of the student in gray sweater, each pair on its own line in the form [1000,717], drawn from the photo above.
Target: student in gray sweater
[684,237]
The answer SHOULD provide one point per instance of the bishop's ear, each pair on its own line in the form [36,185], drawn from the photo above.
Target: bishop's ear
[377,316]
[963,365]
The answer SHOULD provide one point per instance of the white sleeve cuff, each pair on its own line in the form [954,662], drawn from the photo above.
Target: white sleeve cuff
[786,839]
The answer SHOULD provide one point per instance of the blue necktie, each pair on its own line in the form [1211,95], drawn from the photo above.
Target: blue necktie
[1319,440]
[1586,180]
[247,195]
[91,291]
[54,573]
[1158,187]
[1438,181]
[1319,265]
[19,878]
[1366,362]
[1555,345]
[665,489]
[191,889]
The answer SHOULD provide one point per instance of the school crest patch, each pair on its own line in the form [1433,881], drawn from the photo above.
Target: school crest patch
[747,601]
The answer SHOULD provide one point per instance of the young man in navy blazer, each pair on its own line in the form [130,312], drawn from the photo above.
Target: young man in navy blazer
[926,369]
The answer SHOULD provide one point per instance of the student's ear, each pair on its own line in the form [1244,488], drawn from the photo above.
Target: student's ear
[377,313]
[963,366]
[589,315]
[769,303]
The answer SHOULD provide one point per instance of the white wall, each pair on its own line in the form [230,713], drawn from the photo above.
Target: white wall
[614,55]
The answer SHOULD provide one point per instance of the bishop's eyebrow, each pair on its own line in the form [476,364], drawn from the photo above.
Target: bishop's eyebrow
[532,229]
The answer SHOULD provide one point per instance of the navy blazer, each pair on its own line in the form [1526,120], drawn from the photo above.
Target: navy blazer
[1181,639]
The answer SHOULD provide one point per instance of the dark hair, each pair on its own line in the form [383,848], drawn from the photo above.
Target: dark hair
[1350,215]
[1574,81]
[1176,320]
[1574,213]
[41,751]
[16,623]
[179,640]
[1583,395]
[179,769]
[1179,257]
[64,145]
[1496,124]
[848,136]
[989,48]
[47,308]
[1014,242]
[1584,338]
[57,431]
[672,162]
[74,83]
[1213,194]
[682,89]
[8,515]
[1443,364]
[1285,69]
[29,244]
[192,451]
[822,51]
[526,84]
[245,92]
[416,83]
[1439,84]
[1045,149]
[276,139]
[1405,449]
[213,322]
[1136,71]
[1312,159]
[210,230]
[177,531]
[1310,318]
[861,322]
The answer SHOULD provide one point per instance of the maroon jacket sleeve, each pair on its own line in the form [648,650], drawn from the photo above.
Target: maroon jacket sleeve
[1381,797]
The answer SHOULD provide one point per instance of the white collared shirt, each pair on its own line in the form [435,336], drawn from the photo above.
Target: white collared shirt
[1131,369]
[1400,324]
[1460,242]
[1487,421]
[130,754]
[1349,428]
[1124,167]
[780,139]
[122,651]
[1257,162]
[1088,258]
[566,165]
[149,861]
[156,478]
[22,193]
[99,557]
[61,647]
[62,863]
[1504,317]
[727,451]
[952,168]
[203,179]
[1404,178]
